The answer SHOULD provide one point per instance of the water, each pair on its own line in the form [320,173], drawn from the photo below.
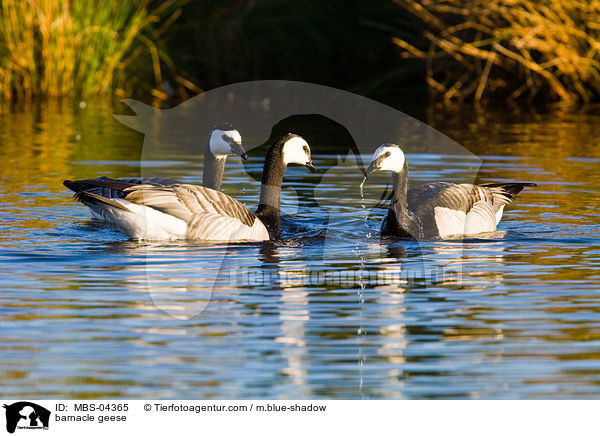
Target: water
[86,313]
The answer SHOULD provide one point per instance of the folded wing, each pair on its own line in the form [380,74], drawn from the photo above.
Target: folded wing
[461,209]
[176,211]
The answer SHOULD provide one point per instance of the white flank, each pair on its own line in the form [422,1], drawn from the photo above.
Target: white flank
[481,218]
[146,223]
[210,227]
[499,214]
[258,232]
[143,222]
[451,222]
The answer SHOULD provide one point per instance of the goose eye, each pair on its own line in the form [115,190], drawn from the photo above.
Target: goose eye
[387,154]
[305,149]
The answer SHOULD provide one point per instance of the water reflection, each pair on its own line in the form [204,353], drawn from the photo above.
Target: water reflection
[319,314]
[346,310]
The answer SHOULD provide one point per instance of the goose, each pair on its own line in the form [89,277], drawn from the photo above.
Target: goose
[184,211]
[438,209]
[223,141]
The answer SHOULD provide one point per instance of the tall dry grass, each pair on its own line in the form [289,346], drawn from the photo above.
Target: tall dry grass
[514,48]
[83,47]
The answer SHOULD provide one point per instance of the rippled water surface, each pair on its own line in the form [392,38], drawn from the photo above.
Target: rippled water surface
[332,310]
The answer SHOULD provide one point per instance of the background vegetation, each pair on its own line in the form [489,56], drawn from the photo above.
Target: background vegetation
[172,49]
[83,47]
[513,48]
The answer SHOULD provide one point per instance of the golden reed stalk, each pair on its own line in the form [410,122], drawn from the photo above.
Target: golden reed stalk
[514,48]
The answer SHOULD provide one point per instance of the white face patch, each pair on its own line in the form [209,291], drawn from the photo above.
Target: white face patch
[294,151]
[392,158]
[219,146]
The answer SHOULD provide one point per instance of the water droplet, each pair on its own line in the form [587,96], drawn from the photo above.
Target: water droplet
[362,199]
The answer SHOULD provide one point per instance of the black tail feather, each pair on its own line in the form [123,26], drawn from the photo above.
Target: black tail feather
[100,182]
[511,189]
[89,198]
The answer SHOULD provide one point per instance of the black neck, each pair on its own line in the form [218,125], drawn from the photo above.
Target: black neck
[400,186]
[270,190]
[400,220]
[212,174]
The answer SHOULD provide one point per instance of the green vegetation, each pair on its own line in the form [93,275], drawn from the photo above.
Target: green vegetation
[460,50]
[84,47]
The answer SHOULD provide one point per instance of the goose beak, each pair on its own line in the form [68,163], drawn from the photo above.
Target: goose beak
[236,148]
[311,167]
[374,166]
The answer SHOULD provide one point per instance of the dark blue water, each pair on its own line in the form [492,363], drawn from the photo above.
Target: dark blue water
[332,310]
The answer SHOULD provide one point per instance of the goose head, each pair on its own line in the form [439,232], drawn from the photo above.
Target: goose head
[296,150]
[388,157]
[226,141]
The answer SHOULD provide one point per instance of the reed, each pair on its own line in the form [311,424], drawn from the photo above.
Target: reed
[83,47]
[511,48]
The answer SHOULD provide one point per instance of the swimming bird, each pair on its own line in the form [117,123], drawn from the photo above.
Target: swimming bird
[223,141]
[439,209]
[184,211]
